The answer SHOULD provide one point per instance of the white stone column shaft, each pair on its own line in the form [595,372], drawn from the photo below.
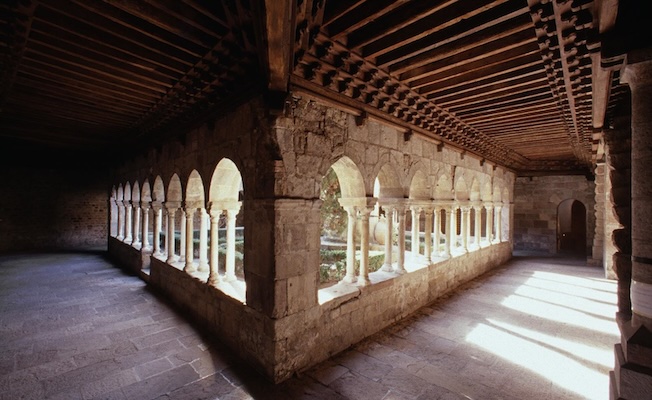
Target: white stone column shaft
[170,237]
[450,227]
[158,225]
[389,216]
[214,276]
[437,230]
[182,235]
[129,221]
[363,279]
[415,231]
[497,219]
[136,239]
[428,235]
[400,263]
[189,266]
[145,235]
[230,245]
[203,241]
[477,211]
[490,223]
[350,245]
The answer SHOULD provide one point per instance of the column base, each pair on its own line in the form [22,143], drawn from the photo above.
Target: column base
[213,280]
[349,280]
[387,268]
[363,281]
[189,268]
[230,278]
[202,267]
[400,271]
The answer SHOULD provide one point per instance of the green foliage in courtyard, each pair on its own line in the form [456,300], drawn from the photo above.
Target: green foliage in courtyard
[333,216]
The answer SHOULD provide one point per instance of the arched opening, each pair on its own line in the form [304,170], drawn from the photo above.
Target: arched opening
[415,220]
[145,205]
[342,194]
[158,198]
[174,225]
[444,207]
[195,217]
[384,220]
[227,233]
[113,209]
[571,228]
[128,214]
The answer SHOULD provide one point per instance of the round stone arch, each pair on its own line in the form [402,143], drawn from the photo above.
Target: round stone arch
[174,193]
[146,192]
[351,181]
[127,192]
[486,194]
[226,182]
[158,190]
[389,183]
[474,194]
[419,186]
[194,193]
[135,192]
[443,189]
[497,190]
[462,192]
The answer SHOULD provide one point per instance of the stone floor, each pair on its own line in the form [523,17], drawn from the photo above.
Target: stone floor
[72,326]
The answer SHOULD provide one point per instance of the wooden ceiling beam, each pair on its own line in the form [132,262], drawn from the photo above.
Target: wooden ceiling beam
[87,68]
[402,17]
[509,112]
[543,97]
[534,114]
[486,84]
[406,43]
[518,43]
[359,16]
[336,9]
[70,29]
[497,93]
[606,11]
[70,52]
[278,44]
[504,30]
[47,67]
[112,21]
[530,62]
[98,100]
[131,14]
[493,87]
[499,102]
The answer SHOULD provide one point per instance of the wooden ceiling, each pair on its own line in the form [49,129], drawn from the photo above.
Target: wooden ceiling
[511,81]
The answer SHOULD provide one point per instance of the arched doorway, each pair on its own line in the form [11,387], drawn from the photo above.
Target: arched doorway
[571,228]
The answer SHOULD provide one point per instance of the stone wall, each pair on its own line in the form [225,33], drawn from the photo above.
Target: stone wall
[50,208]
[281,327]
[535,210]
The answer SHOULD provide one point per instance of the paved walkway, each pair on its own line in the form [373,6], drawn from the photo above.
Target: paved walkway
[72,326]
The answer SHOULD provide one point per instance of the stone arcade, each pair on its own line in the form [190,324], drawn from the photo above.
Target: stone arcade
[194,138]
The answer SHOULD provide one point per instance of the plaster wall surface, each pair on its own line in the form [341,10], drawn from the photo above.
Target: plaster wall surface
[535,210]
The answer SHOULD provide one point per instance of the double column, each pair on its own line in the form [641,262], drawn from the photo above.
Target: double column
[144,236]
[157,214]
[357,209]
[477,211]
[121,219]
[489,223]
[216,209]
[191,209]
[171,207]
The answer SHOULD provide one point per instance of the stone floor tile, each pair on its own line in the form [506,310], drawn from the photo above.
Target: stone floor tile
[54,343]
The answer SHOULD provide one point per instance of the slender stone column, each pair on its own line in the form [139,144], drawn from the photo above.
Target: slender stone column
[415,230]
[437,226]
[129,221]
[453,226]
[498,221]
[350,245]
[121,220]
[363,278]
[189,266]
[400,264]
[450,227]
[465,228]
[145,235]
[158,225]
[229,274]
[490,221]
[203,241]
[428,234]
[136,240]
[214,276]
[182,235]
[389,216]
[170,238]
[478,229]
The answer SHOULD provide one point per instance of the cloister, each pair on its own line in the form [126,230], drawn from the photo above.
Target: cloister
[296,176]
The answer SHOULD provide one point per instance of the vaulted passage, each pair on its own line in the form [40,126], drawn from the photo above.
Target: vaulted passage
[75,326]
